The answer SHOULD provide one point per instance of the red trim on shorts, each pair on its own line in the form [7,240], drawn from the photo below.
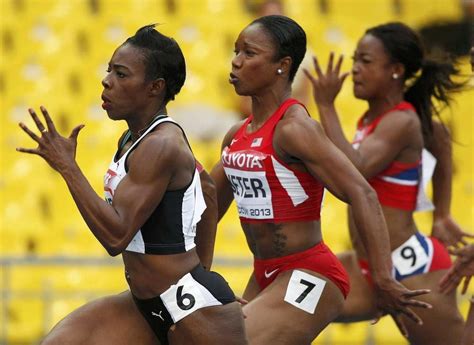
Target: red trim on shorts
[319,259]
[440,261]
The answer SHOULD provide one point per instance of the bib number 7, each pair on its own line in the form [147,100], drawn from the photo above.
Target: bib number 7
[310,286]
[304,291]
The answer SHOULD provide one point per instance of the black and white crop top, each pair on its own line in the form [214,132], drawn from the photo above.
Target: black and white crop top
[171,227]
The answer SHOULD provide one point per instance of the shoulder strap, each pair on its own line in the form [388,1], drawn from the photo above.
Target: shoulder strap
[242,128]
[371,126]
[273,120]
[159,119]
[125,137]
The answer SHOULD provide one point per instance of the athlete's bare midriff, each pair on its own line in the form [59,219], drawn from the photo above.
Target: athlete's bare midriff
[401,226]
[272,240]
[150,275]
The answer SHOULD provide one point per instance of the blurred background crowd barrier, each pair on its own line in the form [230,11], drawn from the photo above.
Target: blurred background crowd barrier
[55,53]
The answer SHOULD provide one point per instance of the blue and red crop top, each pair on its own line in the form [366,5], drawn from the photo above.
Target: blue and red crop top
[398,185]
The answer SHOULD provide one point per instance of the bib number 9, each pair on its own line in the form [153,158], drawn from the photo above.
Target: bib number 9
[408,253]
[411,256]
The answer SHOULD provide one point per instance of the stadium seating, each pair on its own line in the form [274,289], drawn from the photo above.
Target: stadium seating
[55,53]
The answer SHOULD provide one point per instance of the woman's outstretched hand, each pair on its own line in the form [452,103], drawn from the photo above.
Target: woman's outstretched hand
[397,300]
[449,232]
[463,268]
[326,86]
[58,151]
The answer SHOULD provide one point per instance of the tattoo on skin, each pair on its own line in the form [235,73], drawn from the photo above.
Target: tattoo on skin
[279,240]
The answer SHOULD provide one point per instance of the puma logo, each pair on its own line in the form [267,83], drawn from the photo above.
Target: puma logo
[159,315]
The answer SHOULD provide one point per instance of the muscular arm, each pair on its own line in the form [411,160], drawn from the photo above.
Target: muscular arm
[327,163]
[151,168]
[378,149]
[440,147]
[206,228]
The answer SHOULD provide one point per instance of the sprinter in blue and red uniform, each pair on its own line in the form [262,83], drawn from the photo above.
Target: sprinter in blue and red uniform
[389,150]
[274,165]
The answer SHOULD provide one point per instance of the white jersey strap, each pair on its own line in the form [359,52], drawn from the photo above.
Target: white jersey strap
[428,164]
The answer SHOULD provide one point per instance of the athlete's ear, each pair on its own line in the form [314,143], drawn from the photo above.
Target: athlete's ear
[285,65]
[399,70]
[158,87]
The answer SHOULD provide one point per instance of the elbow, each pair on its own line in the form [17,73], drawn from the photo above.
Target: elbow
[371,195]
[370,192]
[113,251]
[115,248]
[365,194]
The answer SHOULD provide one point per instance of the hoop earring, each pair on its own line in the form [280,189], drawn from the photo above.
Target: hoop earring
[394,76]
[279,71]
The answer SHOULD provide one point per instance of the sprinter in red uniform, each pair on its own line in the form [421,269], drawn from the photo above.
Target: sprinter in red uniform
[274,165]
[389,152]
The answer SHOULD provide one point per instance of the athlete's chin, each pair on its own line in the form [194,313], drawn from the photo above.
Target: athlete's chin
[114,116]
[359,94]
[241,91]
[111,115]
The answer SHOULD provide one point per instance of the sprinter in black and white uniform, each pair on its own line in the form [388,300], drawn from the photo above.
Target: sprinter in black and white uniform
[153,204]
[177,213]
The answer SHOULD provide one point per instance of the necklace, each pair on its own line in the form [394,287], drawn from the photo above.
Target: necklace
[139,133]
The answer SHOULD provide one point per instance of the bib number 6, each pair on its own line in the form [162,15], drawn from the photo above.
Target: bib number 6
[185,301]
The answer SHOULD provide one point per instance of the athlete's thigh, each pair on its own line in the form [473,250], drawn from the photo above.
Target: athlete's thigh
[468,334]
[287,311]
[443,324]
[252,289]
[216,325]
[360,304]
[108,320]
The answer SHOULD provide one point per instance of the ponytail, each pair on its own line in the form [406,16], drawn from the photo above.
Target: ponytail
[434,84]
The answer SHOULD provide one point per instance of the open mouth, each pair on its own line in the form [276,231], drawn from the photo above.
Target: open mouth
[106,103]
[233,79]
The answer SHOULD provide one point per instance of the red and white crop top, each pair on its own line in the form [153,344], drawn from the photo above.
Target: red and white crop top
[265,188]
[398,185]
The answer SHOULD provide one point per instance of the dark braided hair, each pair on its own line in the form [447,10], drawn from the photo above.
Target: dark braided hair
[435,82]
[163,58]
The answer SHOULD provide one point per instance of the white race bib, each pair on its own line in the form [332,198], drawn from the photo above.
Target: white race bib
[186,297]
[410,256]
[251,192]
[304,291]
